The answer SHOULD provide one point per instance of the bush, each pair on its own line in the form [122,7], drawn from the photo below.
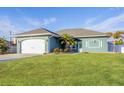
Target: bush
[56,50]
[3,49]
[66,50]
[61,50]
[118,42]
[3,46]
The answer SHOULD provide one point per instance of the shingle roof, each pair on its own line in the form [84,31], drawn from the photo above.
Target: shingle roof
[41,31]
[76,32]
[80,32]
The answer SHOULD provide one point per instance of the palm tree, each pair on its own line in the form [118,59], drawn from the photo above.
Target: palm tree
[116,35]
[67,40]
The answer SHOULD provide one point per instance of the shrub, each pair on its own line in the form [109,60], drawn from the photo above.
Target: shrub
[85,52]
[56,50]
[3,46]
[118,42]
[61,50]
[66,50]
[3,49]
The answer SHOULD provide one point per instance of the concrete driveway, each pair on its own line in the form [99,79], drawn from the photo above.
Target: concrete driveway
[8,57]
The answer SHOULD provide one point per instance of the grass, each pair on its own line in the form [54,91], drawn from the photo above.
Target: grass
[64,69]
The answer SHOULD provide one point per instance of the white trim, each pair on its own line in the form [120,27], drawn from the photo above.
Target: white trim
[32,34]
[88,46]
[91,36]
[54,35]
[58,34]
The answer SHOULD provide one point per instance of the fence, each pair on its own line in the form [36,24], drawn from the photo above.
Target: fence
[115,48]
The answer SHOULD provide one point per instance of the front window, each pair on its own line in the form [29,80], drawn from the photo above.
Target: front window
[94,43]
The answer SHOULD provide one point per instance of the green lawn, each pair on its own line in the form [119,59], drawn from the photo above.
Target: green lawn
[64,69]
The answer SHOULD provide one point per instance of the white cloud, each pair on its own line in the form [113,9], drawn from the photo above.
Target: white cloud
[31,21]
[89,21]
[37,22]
[6,26]
[114,8]
[48,21]
[109,24]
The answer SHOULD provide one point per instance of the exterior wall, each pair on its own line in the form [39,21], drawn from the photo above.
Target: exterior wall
[53,43]
[93,44]
[20,39]
[85,45]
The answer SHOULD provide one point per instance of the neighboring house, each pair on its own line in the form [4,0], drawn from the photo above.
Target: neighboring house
[44,41]
[12,47]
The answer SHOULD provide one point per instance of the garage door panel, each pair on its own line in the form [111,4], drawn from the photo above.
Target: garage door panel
[33,46]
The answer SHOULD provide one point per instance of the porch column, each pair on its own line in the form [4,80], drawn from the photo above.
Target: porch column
[46,46]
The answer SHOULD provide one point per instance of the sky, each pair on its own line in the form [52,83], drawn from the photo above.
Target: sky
[17,20]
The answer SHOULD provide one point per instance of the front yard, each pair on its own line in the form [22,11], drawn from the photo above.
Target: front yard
[64,69]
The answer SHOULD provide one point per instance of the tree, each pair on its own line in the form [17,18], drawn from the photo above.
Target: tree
[3,46]
[67,40]
[117,36]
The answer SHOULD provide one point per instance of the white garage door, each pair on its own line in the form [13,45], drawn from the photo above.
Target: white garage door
[33,46]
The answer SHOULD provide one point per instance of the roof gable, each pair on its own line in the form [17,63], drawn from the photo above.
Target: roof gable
[36,32]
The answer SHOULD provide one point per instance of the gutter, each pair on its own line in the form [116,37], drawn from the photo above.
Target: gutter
[92,36]
[31,35]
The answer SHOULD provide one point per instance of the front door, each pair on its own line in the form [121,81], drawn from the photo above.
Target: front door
[80,46]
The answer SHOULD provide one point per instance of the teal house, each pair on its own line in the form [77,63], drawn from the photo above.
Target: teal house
[41,41]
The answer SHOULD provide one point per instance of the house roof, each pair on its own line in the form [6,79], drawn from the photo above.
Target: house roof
[80,32]
[75,32]
[35,32]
